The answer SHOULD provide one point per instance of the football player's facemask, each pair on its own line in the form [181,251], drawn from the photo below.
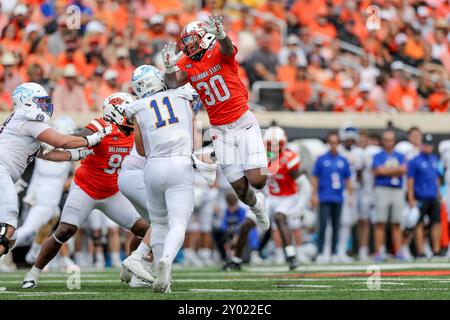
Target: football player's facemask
[194,40]
[114,109]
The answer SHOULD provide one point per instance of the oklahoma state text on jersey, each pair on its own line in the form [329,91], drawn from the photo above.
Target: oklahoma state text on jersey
[280,181]
[215,78]
[97,175]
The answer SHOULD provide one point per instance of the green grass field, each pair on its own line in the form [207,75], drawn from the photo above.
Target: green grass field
[424,280]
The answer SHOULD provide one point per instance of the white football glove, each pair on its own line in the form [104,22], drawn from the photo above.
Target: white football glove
[214,25]
[95,138]
[78,154]
[169,57]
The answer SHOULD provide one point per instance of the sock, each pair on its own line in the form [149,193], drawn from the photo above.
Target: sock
[290,251]
[344,235]
[79,258]
[279,251]
[204,253]
[142,250]
[363,251]
[115,258]
[99,258]
[236,260]
[257,204]
[35,272]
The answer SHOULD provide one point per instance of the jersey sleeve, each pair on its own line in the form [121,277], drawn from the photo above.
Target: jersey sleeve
[95,125]
[34,128]
[134,108]
[293,163]
[186,92]
[181,64]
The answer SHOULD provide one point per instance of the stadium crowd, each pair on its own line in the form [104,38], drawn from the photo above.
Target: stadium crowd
[328,55]
[322,55]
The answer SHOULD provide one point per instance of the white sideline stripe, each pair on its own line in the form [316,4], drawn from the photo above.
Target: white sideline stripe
[383,266]
[305,290]
[301,286]
[350,280]
[50,293]
[56,275]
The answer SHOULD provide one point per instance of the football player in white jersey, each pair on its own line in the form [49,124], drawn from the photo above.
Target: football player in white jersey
[349,135]
[20,142]
[164,124]
[45,189]
[370,146]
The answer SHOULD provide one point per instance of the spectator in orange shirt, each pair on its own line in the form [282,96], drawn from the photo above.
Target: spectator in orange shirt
[72,55]
[403,96]
[304,12]
[366,104]
[5,97]
[415,47]
[10,72]
[298,95]
[349,100]
[69,96]
[275,7]
[287,73]
[439,100]
[322,27]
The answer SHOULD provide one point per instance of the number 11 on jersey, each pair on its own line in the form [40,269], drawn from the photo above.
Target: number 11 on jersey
[172,118]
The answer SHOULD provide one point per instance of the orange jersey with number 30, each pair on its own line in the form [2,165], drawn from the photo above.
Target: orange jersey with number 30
[97,175]
[215,78]
[280,180]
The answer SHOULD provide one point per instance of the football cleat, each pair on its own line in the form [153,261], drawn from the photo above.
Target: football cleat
[125,275]
[162,282]
[134,264]
[293,263]
[137,283]
[29,284]
[262,219]
[231,265]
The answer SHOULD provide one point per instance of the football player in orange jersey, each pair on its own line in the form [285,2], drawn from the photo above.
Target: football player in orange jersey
[95,186]
[284,176]
[208,63]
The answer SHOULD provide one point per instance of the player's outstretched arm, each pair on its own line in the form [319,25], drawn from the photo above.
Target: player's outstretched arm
[172,78]
[65,141]
[214,25]
[65,155]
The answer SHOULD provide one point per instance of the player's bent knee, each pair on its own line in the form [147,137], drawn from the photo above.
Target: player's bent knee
[280,218]
[140,227]
[64,232]
[256,178]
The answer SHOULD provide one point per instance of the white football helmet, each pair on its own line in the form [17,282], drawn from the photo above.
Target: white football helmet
[147,80]
[32,101]
[65,124]
[114,108]
[194,40]
[348,131]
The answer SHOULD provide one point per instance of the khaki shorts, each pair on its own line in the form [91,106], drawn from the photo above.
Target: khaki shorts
[389,200]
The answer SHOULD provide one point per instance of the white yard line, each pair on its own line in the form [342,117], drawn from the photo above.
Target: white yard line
[305,290]
[301,286]
[383,266]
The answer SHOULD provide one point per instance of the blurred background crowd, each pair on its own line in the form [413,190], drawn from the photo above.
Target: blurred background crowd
[301,55]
